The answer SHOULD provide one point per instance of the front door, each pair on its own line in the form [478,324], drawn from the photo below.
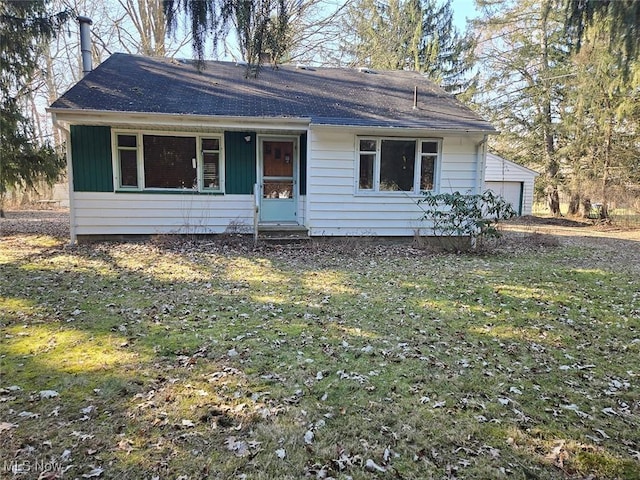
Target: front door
[278,169]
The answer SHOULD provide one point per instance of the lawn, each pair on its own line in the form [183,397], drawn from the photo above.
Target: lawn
[348,360]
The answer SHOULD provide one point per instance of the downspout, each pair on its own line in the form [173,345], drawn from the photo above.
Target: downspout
[307,208]
[481,154]
[481,158]
[72,204]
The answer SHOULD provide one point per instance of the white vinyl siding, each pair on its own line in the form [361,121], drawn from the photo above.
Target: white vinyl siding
[337,208]
[162,213]
[332,206]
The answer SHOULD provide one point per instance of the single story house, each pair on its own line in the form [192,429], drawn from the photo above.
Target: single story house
[157,146]
[511,181]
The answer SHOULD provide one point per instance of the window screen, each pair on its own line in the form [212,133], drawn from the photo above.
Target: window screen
[397,163]
[169,162]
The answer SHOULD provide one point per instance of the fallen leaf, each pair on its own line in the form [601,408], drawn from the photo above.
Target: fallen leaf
[96,472]
[25,414]
[372,466]
[239,447]
[48,394]
[308,437]
[4,426]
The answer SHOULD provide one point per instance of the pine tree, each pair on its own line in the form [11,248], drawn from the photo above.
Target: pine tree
[409,35]
[523,55]
[25,27]
[602,123]
[622,24]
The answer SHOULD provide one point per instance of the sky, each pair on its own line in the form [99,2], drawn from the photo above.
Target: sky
[463,9]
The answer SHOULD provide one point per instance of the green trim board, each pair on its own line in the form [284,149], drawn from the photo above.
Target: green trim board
[240,162]
[302,170]
[91,158]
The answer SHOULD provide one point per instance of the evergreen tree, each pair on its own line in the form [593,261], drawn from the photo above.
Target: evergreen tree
[446,56]
[622,24]
[387,35]
[524,63]
[602,123]
[25,28]
[411,35]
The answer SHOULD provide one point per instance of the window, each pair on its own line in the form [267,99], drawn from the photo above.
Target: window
[428,158]
[393,164]
[211,163]
[128,160]
[168,162]
[397,163]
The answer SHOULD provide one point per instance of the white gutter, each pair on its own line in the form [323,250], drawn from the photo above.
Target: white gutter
[383,129]
[121,118]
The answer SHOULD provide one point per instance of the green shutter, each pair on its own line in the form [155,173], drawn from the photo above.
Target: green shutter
[240,162]
[303,164]
[91,159]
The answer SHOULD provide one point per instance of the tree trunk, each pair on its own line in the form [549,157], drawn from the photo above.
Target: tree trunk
[574,204]
[604,210]
[553,167]
[553,198]
[586,207]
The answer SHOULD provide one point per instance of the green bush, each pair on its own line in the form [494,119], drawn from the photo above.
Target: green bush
[465,215]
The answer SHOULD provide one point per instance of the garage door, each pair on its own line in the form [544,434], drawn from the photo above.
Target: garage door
[510,191]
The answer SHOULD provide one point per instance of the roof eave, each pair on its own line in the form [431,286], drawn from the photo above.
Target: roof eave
[443,131]
[70,116]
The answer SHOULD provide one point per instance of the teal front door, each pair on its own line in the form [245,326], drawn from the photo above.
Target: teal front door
[278,169]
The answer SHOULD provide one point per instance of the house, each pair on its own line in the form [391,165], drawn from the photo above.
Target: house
[157,146]
[511,181]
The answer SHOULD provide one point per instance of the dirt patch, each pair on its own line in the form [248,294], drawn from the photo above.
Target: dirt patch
[522,233]
[550,221]
[36,222]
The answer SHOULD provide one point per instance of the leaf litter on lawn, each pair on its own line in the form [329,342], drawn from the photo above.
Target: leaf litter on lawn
[206,360]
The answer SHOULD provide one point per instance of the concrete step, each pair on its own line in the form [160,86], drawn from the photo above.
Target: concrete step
[283,233]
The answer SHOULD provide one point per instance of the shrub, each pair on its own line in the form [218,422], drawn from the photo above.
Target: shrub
[465,215]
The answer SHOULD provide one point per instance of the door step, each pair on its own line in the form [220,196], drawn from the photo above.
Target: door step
[283,233]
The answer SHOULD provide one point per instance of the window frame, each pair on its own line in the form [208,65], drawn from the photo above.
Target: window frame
[140,161]
[417,168]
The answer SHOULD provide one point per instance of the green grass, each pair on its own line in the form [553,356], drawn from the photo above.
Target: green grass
[199,361]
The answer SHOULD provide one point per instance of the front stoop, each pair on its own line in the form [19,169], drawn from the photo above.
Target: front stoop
[283,233]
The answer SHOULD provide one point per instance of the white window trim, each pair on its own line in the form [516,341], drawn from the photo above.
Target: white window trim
[139,134]
[417,166]
[221,171]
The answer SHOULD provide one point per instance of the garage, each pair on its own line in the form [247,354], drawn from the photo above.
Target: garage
[511,181]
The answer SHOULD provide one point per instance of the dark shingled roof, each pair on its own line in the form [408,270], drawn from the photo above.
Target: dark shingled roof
[325,96]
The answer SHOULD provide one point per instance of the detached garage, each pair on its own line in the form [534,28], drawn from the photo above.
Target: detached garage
[512,181]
